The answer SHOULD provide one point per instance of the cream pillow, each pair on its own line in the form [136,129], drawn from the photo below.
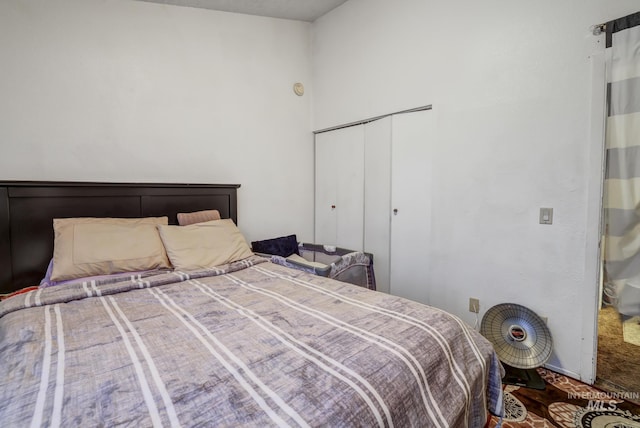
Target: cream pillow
[204,245]
[185,219]
[101,246]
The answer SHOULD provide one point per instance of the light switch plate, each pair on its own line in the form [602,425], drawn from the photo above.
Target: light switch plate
[546,215]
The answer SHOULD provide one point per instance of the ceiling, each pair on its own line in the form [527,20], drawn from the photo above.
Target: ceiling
[301,10]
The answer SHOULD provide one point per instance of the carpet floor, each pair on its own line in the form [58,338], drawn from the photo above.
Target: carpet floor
[567,403]
[618,361]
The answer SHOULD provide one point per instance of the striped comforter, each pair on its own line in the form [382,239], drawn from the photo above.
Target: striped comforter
[248,344]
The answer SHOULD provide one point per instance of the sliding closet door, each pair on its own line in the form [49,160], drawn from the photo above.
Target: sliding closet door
[412,136]
[377,198]
[340,188]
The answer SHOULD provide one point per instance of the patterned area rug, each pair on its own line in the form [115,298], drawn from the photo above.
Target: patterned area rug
[567,403]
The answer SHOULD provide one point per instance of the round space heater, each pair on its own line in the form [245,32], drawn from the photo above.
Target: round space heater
[521,340]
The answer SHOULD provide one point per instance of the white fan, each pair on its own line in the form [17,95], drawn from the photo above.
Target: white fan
[522,341]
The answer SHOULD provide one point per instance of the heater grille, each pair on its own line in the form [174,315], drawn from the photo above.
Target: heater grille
[520,337]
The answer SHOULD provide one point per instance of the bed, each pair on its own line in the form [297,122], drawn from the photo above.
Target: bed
[243,343]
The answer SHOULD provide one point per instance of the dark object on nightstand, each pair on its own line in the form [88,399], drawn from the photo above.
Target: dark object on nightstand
[283,246]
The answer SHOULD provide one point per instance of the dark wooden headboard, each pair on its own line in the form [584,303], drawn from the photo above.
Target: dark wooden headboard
[27,210]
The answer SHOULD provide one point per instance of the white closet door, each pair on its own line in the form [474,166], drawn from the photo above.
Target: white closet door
[340,188]
[412,136]
[377,198]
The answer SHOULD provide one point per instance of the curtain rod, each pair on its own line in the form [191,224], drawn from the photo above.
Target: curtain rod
[372,119]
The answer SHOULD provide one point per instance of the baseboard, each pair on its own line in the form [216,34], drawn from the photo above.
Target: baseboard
[565,372]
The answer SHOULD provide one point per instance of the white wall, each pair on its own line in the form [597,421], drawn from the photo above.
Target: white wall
[113,90]
[512,89]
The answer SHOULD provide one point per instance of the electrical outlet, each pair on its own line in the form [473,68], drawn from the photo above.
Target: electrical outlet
[474,305]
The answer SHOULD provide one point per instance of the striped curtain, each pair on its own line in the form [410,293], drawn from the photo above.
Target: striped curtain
[622,179]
